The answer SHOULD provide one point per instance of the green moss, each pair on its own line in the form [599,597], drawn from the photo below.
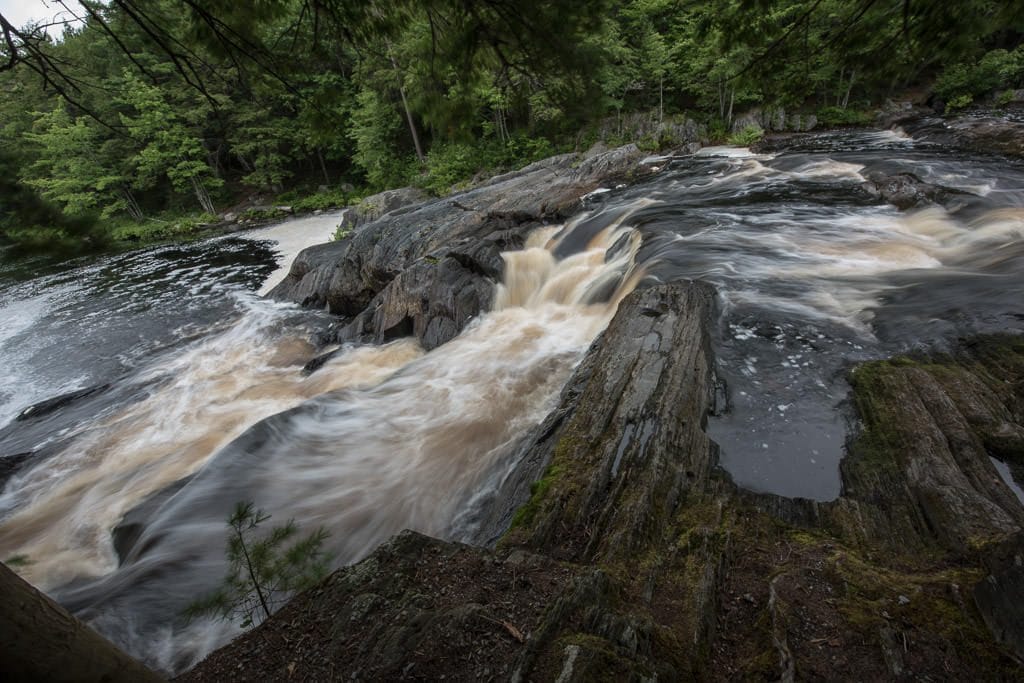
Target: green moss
[538,490]
[931,607]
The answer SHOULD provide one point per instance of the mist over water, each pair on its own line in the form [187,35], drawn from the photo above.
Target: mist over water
[207,404]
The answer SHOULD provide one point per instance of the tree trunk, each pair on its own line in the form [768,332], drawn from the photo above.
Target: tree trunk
[408,114]
[732,100]
[203,196]
[43,642]
[249,168]
[132,206]
[661,98]
[412,127]
[849,87]
[839,90]
[721,100]
[323,167]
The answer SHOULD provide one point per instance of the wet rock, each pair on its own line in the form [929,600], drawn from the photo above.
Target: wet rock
[10,464]
[52,405]
[309,275]
[906,190]
[634,558]
[638,444]
[131,526]
[987,135]
[1000,595]
[379,274]
[920,473]
[380,204]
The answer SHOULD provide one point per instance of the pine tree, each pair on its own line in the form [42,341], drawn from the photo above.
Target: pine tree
[263,572]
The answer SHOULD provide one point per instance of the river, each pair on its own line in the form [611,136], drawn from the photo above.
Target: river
[200,401]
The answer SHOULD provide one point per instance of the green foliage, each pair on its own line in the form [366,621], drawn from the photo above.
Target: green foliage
[331,199]
[1004,98]
[960,102]
[448,164]
[453,164]
[263,570]
[995,70]
[837,116]
[376,126]
[160,228]
[746,137]
[16,561]
[238,100]
[717,130]
[71,169]
[341,232]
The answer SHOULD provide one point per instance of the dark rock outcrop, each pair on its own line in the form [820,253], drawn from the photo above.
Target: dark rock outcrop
[380,204]
[54,404]
[774,119]
[983,134]
[310,274]
[906,190]
[428,268]
[633,558]
[42,641]
[10,464]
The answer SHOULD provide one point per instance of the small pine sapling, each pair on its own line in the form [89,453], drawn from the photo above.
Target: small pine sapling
[263,573]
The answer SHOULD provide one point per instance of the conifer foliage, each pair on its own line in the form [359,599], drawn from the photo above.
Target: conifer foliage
[264,569]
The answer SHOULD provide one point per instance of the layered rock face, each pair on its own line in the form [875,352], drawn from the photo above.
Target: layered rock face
[633,557]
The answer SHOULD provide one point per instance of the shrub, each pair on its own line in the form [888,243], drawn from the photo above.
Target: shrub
[746,137]
[1004,98]
[959,102]
[837,116]
[997,69]
[331,199]
[263,572]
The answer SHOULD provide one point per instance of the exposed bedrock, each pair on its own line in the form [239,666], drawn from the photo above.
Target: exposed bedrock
[984,134]
[633,557]
[907,191]
[426,269]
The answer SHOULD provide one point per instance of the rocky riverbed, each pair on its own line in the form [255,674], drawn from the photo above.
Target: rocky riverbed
[732,414]
[618,549]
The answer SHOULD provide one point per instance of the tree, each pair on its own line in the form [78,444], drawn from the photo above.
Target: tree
[263,573]
[72,169]
[168,148]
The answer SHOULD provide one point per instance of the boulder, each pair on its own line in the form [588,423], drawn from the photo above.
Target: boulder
[51,405]
[445,249]
[906,190]
[377,205]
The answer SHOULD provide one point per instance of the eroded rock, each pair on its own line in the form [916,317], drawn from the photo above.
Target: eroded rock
[379,274]
[634,558]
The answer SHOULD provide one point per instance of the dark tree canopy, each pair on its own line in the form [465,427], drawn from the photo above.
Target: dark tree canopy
[151,106]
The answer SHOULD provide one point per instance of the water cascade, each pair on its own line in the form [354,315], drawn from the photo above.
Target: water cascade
[207,407]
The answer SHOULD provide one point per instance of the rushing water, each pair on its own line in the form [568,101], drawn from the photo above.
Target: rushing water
[203,402]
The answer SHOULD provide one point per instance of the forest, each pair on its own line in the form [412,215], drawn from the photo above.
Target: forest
[144,120]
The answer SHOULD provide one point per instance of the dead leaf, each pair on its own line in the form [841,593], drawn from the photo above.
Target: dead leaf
[514,632]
